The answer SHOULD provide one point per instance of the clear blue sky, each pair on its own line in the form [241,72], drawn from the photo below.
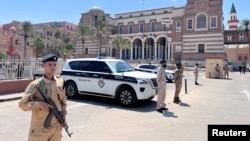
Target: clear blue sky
[40,11]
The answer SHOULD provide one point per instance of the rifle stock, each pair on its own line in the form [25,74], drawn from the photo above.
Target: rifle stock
[54,112]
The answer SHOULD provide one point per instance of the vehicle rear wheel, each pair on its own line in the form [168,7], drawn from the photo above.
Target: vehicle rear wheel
[126,97]
[71,90]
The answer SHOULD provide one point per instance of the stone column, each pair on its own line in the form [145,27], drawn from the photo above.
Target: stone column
[120,54]
[136,57]
[142,51]
[131,52]
[169,51]
[155,47]
[110,51]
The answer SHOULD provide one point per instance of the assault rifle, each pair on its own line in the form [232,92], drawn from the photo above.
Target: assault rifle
[53,111]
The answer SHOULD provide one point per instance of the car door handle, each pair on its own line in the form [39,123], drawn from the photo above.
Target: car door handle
[95,75]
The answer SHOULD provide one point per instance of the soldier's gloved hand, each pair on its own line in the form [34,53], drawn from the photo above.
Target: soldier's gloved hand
[44,106]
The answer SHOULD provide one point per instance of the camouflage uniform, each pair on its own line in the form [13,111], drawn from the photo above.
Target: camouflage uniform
[226,71]
[29,102]
[196,73]
[33,101]
[178,73]
[217,71]
[161,80]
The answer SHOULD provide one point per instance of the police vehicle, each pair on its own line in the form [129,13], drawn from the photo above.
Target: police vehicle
[153,68]
[112,78]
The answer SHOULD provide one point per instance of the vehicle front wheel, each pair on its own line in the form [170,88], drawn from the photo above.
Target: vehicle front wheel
[71,90]
[126,97]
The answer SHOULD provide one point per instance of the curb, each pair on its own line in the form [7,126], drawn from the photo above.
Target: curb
[10,99]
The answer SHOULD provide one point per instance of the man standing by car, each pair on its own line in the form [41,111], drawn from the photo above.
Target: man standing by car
[161,81]
[32,100]
[178,73]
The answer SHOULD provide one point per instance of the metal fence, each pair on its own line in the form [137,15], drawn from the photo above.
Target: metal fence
[19,69]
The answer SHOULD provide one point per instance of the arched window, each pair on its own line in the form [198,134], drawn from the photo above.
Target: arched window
[201,21]
[130,28]
[152,26]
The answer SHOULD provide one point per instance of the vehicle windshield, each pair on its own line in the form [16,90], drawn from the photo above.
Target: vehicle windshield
[120,66]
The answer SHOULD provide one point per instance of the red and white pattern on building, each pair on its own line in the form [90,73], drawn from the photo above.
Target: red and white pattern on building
[193,32]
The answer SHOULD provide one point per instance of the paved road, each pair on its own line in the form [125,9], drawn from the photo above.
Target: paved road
[97,119]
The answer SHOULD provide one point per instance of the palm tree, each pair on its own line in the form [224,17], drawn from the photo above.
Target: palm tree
[38,44]
[84,34]
[246,24]
[57,40]
[119,42]
[100,31]
[26,28]
[57,33]
[67,48]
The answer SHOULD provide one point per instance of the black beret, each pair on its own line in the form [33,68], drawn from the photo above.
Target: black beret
[163,61]
[178,64]
[49,57]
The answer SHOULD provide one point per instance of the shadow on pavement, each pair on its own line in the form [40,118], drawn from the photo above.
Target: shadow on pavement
[169,114]
[184,104]
[108,103]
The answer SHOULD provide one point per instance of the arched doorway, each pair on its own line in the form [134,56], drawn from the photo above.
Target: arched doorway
[137,49]
[161,48]
[149,50]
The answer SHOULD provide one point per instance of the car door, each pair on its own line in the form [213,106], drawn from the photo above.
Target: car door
[83,76]
[100,78]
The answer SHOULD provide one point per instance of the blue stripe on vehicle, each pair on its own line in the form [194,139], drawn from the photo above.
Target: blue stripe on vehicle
[98,75]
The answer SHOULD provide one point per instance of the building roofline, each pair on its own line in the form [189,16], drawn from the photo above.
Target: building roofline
[148,10]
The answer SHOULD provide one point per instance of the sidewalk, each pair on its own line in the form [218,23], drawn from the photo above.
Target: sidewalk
[9,97]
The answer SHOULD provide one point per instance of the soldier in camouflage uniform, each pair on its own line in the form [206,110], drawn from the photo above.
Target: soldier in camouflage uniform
[161,81]
[33,101]
[178,74]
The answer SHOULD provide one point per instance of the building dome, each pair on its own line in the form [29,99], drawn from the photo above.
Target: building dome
[13,29]
[95,9]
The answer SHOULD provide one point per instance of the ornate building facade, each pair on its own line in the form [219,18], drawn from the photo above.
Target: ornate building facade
[190,33]
[45,30]
[236,40]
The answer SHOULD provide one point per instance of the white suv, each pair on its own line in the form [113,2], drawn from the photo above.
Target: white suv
[111,78]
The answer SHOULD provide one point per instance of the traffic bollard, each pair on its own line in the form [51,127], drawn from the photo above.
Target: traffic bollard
[186,86]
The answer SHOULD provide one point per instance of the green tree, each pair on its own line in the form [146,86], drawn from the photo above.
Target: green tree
[26,28]
[38,46]
[3,55]
[246,25]
[57,33]
[84,33]
[100,30]
[119,42]
[68,48]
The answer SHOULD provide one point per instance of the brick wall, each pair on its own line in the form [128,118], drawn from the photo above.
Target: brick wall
[13,86]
